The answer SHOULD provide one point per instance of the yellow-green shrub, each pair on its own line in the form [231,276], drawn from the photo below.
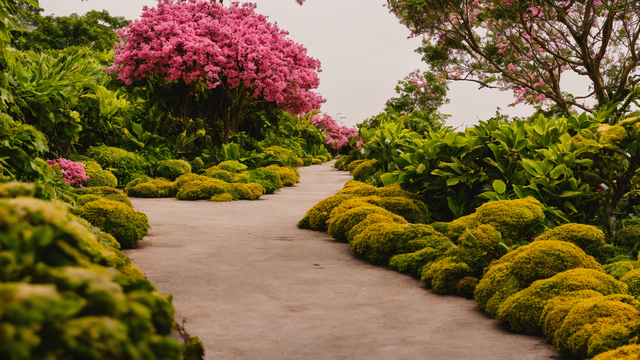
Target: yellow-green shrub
[91,167]
[126,163]
[138,180]
[219,174]
[431,248]
[460,225]
[249,191]
[376,242]
[443,276]
[523,310]
[318,216]
[102,178]
[155,188]
[203,189]
[126,225]
[222,197]
[513,218]
[106,192]
[632,279]
[629,352]
[588,324]
[316,161]
[232,166]
[354,164]
[269,179]
[286,156]
[342,222]
[365,170]
[321,158]
[339,162]
[186,178]
[619,269]
[373,218]
[172,169]
[287,175]
[587,237]
[520,268]
[61,297]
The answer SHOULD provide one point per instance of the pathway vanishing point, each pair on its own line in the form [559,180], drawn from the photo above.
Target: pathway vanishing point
[251,285]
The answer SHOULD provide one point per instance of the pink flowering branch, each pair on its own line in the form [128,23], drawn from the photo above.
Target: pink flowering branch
[72,172]
[525,46]
[337,136]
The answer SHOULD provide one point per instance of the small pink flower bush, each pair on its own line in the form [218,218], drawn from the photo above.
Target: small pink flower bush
[72,172]
[205,43]
[337,136]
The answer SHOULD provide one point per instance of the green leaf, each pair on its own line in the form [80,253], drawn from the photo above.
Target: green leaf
[499,186]
[570,193]
[452,181]
[421,168]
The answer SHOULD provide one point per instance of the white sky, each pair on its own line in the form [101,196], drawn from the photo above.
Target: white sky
[363,49]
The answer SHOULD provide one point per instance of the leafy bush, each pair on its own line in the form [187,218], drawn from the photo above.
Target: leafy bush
[172,169]
[102,178]
[269,179]
[588,238]
[518,269]
[460,225]
[217,173]
[286,156]
[628,352]
[288,176]
[376,242]
[125,163]
[589,323]
[232,166]
[154,188]
[196,164]
[365,170]
[59,299]
[125,224]
[515,219]
[341,222]
[106,192]
[432,248]
[523,310]
[632,279]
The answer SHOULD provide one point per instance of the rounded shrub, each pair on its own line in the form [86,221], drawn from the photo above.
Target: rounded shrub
[357,188]
[587,237]
[394,190]
[222,197]
[186,178]
[460,225]
[513,218]
[154,188]
[518,269]
[126,225]
[342,222]
[376,243]
[628,352]
[523,310]
[632,279]
[339,163]
[203,189]
[91,167]
[138,180]
[354,164]
[126,163]
[443,276]
[619,269]
[365,170]
[196,164]
[232,166]
[586,325]
[316,218]
[269,179]
[102,178]
[286,156]
[432,247]
[250,191]
[106,192]
[373,218]
[321,158]
[223,175]
[288,176]
[172,169]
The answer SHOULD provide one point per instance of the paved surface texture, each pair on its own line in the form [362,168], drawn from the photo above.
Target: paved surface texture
[251,285]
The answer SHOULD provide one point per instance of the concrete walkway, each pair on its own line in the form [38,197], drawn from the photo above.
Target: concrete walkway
[251,285]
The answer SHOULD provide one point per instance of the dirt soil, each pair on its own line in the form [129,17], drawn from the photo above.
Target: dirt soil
[251,285]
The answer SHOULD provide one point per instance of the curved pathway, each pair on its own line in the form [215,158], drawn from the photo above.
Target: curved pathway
[251,285]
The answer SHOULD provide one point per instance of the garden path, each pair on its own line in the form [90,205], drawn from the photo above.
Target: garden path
[251,285]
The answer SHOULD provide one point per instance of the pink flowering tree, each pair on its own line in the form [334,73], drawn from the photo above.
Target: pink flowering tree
[338,136]
[220,59]
[526,46]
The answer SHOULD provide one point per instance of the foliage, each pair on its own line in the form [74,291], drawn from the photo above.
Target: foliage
[20,144]
[126,164]
[95,30]
[102,178]
[526,46]
[172,169]
[125,224]
[225,58]
[423,91]
[68,292]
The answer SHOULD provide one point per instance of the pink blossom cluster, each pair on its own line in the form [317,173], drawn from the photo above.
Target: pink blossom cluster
[337,136]
[203,42]
[72,172]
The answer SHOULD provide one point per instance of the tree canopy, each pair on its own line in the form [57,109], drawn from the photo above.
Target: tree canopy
[526,46]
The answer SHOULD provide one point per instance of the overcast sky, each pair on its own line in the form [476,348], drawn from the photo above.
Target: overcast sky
[363,49]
